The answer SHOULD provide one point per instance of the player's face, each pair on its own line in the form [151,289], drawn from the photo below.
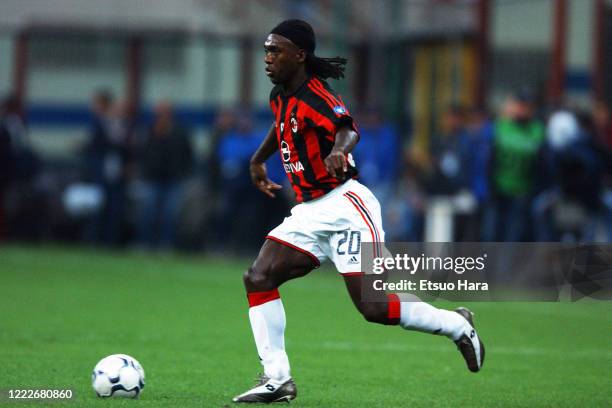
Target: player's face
[282,58]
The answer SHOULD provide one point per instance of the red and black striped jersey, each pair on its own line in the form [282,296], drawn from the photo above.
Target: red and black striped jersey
[306,126]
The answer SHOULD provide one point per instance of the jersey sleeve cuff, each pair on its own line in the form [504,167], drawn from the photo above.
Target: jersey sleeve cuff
[345,121]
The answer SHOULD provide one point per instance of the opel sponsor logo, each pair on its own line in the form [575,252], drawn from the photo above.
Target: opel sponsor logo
[286,152]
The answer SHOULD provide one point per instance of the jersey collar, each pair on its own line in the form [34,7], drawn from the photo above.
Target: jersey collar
[298,90]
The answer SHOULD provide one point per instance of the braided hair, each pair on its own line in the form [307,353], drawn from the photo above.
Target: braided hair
[325,67]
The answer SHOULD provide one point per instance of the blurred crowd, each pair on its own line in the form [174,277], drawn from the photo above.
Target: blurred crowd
[137,182]
[522,174]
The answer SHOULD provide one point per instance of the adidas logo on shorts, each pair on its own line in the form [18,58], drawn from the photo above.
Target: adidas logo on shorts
[353,260]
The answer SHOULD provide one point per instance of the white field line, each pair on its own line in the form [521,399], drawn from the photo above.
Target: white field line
[491,350]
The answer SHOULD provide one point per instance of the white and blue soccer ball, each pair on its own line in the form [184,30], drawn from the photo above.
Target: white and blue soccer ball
[118,375]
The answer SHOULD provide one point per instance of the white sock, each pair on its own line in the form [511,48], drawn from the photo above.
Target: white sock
[421,316]
[268,324]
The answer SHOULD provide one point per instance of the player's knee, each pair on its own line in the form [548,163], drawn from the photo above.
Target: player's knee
[258,280]
[374,312]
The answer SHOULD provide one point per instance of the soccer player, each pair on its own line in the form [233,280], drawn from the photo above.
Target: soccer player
[315,134]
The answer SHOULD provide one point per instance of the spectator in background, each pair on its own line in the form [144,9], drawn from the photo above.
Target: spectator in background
[224,123]
[166,161]
[450,155]
[403,214]
[14,124]
[24,194]
[603,128]
[480,136]
[518,138]
[108,152]
[94,158]
[13,121]
[119,152]
[237,219]
[98,140]
[568,208]
[603,123]
[480,132]
[25,162]
[6,170]
[450,176]
[377,154]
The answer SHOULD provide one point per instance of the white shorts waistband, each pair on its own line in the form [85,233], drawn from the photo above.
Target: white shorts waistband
[341,189]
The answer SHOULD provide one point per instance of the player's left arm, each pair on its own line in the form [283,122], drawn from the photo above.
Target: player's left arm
[336,163]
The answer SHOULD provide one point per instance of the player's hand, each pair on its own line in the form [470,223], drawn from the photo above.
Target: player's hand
[259,176]
[336,164]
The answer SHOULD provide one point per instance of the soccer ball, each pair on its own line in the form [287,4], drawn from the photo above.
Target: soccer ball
[118,375]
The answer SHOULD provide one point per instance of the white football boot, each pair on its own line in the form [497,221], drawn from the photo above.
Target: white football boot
[267,391]
[469,344]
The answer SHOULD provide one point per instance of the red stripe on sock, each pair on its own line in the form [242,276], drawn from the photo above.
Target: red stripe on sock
[394,308]
[259,298]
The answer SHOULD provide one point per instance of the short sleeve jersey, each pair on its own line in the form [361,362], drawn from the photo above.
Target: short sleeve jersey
[306,125]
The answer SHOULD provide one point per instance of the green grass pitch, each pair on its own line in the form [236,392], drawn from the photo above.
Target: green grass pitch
[185,319]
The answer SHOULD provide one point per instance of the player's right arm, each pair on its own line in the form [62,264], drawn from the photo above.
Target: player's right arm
[259,174]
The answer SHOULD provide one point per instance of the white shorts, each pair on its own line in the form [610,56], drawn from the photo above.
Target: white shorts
[334,227]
